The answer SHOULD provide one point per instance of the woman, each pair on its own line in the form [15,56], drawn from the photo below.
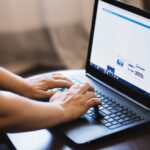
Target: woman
[20,112]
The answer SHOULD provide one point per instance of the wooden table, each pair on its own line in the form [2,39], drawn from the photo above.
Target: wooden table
[136,139]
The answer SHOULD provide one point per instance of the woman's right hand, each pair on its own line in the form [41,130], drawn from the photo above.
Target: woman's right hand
[76,101]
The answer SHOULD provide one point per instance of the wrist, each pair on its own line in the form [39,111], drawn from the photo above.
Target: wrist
[59,115]
[26,89]
[67,112]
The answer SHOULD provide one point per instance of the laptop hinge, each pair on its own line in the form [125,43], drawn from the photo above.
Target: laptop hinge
[118,92]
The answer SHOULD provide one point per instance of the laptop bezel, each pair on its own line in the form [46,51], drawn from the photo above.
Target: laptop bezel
[140,98]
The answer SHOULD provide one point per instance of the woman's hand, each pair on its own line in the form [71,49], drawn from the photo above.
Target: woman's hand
[36,87]
[39,87]
[18,114]
[76,101]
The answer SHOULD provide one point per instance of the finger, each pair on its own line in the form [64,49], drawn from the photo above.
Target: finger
[53,74]
[75,86]
[89,95]
[62,84]
[73,89]
[85,87]
[56,76]
[62,77]
[93,102]
[55,95]
[49,94]
[46,94]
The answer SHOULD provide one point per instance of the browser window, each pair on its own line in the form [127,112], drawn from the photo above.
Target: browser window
[121,47]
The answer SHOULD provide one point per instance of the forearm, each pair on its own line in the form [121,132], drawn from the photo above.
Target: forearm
[21,114]
[12,82]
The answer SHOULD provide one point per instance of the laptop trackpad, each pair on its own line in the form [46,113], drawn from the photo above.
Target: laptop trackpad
[83,130]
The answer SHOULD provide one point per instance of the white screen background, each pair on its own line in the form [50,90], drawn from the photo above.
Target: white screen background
[118,38]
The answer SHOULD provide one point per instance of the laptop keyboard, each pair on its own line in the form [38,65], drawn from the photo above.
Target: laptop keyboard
[111,114]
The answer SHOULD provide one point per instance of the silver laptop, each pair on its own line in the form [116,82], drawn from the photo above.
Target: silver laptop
[118,66]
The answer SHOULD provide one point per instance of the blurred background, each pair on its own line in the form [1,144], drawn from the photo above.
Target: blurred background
[44,35]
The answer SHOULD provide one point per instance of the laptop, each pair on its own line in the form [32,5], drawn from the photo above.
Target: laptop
[118,66]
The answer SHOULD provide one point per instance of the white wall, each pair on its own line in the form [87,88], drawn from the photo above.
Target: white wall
[20,15]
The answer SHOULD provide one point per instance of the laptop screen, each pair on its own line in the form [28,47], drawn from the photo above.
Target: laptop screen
[121,47]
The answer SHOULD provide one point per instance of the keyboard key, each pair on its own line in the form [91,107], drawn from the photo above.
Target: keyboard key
[98,96]
[101,107]
[106,112]
[127,122]
[118,113]
[120,120]
[129,113]
[114,122]
[126,118]
[103,114]
[94,116]
[105,105]
[112,116]
[109,108]
[109,102]
[64,90]
[104,121]
[119,108]
[125,111]
[105,100]
[117,118]
[115,126]
[113,110]
[110,120]
[106,117]
[108,124]
[123,116]
[114,104]
[103,97]
[88,112]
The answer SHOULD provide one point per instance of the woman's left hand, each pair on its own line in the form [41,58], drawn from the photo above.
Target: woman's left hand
[39,87]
